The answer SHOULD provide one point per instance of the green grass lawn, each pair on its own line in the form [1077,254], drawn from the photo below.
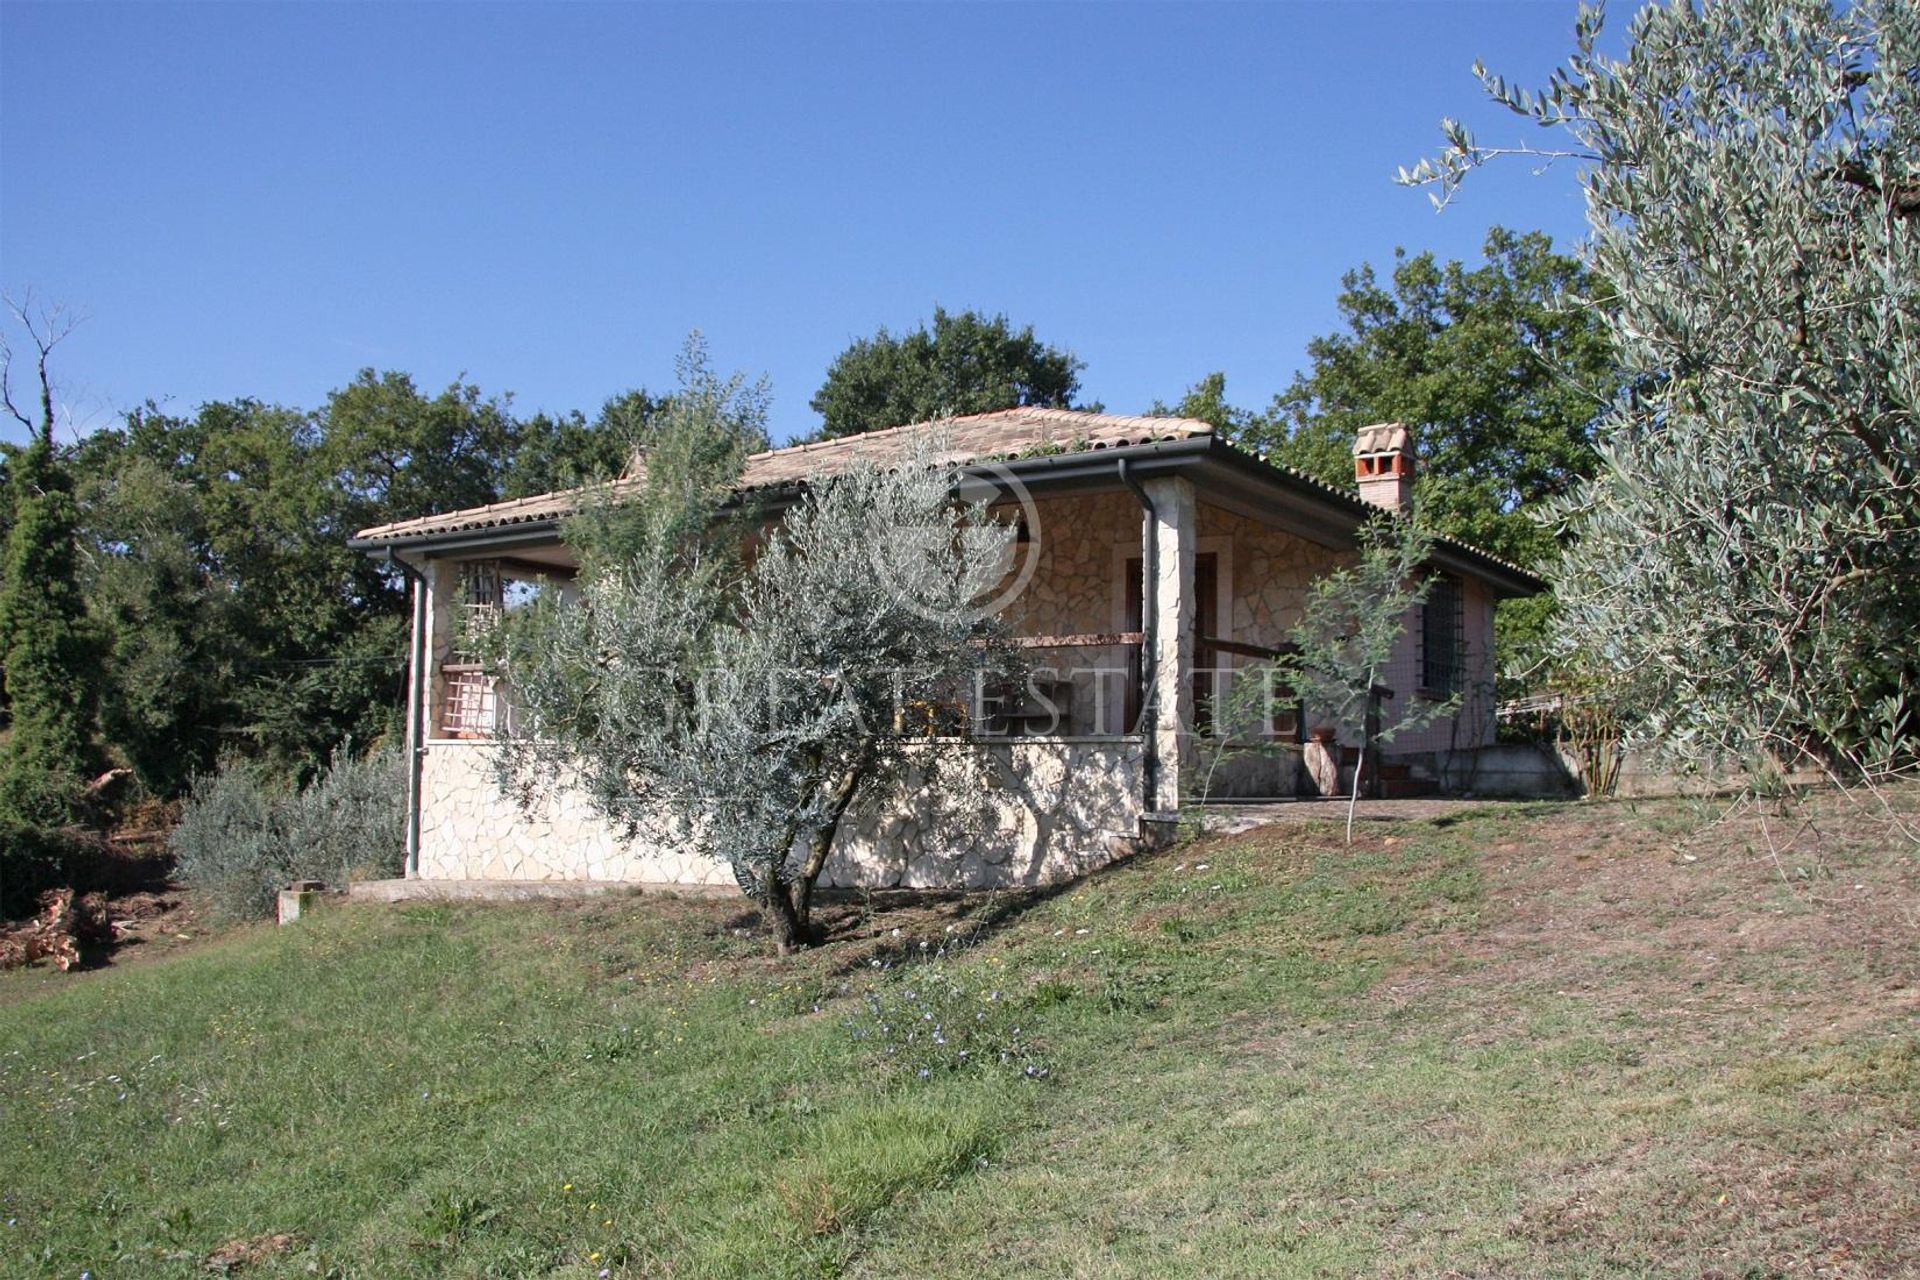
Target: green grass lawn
[1536,1041]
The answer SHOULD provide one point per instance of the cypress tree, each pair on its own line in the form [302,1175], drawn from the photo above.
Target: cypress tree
[47,646]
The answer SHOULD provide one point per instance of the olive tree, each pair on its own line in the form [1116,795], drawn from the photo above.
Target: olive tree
[1745,562]
[738,683]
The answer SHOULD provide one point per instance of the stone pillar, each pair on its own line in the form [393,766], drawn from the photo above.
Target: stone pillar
[1172,531]
[417,692]
[299,899]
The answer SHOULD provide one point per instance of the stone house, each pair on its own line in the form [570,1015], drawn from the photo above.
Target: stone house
[1154,560]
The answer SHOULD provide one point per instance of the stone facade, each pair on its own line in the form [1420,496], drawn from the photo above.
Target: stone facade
[1472,725]
[1074,588]
[1269,572]
[1062,807]
[471,830]
[1080,546]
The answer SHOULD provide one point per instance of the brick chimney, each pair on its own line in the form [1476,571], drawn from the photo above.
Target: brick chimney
[1383,464]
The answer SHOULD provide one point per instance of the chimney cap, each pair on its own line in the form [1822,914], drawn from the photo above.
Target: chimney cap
[1385,437]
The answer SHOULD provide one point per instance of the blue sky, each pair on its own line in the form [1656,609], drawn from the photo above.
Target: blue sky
[260,199]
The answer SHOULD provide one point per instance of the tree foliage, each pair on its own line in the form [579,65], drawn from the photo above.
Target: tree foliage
[238,616]
[566,451]
[1206,401]
[214,563]
[1496,368]
[965,363]
[48,649]
[1746,561]
[739,706]
[1499,370]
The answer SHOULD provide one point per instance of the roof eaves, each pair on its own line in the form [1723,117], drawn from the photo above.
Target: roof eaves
[1190,438]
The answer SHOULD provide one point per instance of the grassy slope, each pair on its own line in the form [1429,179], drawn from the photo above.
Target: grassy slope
[1541,1042]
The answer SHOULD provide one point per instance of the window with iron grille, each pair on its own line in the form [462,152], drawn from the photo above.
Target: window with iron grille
[482,598]
[1442,638]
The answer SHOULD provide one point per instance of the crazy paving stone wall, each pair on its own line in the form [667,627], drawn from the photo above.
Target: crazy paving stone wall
[1058,809]
[1079,546]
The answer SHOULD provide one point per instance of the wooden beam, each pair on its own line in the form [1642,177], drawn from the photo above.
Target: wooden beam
[1238,649]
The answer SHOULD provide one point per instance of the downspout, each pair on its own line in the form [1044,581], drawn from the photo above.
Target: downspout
[1149,636]
[416,708]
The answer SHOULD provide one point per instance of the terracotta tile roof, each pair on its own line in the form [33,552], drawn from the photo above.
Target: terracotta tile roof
[1385,437]
[979,437]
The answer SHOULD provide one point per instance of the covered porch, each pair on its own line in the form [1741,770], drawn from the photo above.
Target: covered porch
[1135,606]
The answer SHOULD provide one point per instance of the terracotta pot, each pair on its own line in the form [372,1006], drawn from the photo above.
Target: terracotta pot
[1321,766]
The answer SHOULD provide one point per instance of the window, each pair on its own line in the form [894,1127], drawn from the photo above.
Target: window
[470,702]
[1442,640]
[482,597]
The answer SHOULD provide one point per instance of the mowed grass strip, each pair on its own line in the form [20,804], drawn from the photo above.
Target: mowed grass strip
[1539,1040]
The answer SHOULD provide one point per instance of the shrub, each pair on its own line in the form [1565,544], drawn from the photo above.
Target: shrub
[242,838]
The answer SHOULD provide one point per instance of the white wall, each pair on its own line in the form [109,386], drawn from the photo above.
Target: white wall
[1060,808]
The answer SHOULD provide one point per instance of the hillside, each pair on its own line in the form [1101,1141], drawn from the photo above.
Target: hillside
[1533,1041]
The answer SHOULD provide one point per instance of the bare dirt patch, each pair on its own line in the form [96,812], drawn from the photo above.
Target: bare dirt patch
[1656,909]
[237,1255]
[1745,983]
